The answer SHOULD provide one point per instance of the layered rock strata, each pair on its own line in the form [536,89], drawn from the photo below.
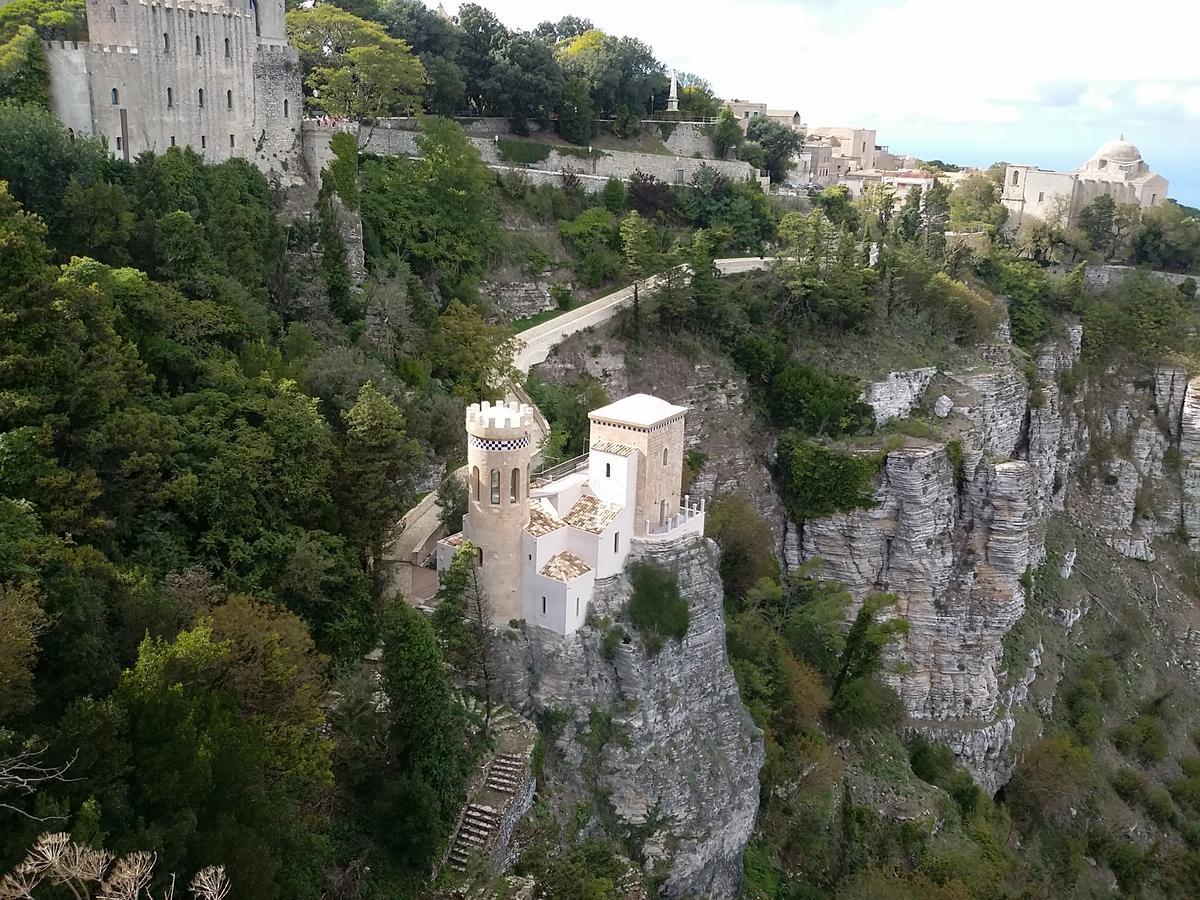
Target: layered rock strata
[660,746]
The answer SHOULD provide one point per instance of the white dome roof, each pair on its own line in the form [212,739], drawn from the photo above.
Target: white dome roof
[1119,150]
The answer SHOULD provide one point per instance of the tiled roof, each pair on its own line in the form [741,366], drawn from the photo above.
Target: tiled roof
[542,518]
[610,447]
[590,514]
[565,566]
[638,410]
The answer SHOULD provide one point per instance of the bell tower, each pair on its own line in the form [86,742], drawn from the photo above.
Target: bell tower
[499,450]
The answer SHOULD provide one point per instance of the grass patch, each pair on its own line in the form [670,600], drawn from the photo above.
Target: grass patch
[523,153]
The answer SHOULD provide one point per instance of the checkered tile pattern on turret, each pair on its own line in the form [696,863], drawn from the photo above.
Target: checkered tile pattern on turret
[493,444]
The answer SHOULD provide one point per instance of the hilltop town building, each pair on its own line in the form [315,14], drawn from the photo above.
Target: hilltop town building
[850,148]
[544,540]
[218,78]
[1116,170]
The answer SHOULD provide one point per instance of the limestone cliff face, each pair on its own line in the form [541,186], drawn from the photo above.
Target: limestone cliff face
[1120,454]
[678,766]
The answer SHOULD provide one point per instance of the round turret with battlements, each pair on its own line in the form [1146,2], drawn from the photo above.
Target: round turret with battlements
[499,450]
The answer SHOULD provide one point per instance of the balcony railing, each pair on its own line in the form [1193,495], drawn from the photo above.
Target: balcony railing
[689,518]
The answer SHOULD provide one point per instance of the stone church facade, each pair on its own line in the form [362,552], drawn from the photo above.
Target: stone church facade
[218,78]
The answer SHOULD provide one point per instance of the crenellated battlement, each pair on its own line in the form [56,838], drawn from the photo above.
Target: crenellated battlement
[205,9]
[88,47]
[500,420]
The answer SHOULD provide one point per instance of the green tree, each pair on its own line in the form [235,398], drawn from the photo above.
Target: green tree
[377,475]
[425,729]
[483,38]
[576,116]
[975,203]
[746,542]
[780,145]
[437,213]
[637,245]
[726,133]
[1167,238]
[1097,221]
[474,356]
[525,82]
[354,68]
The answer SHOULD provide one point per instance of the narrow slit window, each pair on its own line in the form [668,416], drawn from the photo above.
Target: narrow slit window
[203,142]
[475,483]
[616,542]
[543,606]
[116,97]
[514,486]
[166,43]
[608,470]
[231,141]
[197,45]
[229,99]
[170,98]
[664,456]
[227,53]
[495,492]
[285,109]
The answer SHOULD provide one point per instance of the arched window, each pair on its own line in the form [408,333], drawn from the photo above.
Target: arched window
[285,108]
[664,456]
[227,53]
[495,492]
[116,96]
[200,97]
[1016,176]
[475,483]
[166,43]
[197,45]
[71,134]
[170,98]
[112,13]
[229,99]
[514,486]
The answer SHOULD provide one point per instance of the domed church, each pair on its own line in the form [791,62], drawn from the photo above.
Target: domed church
[1116,169]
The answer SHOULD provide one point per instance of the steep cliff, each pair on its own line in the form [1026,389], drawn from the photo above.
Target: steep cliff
[657,750]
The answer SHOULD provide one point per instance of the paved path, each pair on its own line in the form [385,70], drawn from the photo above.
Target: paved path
[420,528]
[537,341]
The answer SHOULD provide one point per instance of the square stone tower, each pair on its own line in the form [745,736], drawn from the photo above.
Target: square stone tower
[654,428]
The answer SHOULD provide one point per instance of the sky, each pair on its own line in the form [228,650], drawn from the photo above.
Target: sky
[1032,81]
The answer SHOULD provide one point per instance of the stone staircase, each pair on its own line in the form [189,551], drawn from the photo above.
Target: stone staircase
[506,773]
[475,834]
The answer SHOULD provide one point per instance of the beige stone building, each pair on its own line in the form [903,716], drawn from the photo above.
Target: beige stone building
[1116,170]
[850,148]
[219,78]
[543,540]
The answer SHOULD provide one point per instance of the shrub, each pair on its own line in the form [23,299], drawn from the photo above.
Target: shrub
[954,455]
[816,402]
[1160,807]
[656,608]
[819,480]
[560,293]
[613,636]
[522,153]
[1142,738]
[1129,784]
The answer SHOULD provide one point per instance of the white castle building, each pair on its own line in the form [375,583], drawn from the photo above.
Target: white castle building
[1116,169]
[219,78]
[545,539]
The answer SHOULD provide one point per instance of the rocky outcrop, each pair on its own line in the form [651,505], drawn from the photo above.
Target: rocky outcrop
[897,395]
[659,745]
[518,299]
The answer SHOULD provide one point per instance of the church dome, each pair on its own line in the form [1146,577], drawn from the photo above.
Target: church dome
[1119,150]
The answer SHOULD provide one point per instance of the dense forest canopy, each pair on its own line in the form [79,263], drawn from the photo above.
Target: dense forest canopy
[208,432]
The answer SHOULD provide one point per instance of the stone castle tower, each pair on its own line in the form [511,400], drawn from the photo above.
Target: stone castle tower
[499,450]
[219,78]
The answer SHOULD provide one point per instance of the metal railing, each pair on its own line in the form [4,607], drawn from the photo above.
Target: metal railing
[559,470]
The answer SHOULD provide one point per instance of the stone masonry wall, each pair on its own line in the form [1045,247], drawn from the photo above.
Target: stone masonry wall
[387,141]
